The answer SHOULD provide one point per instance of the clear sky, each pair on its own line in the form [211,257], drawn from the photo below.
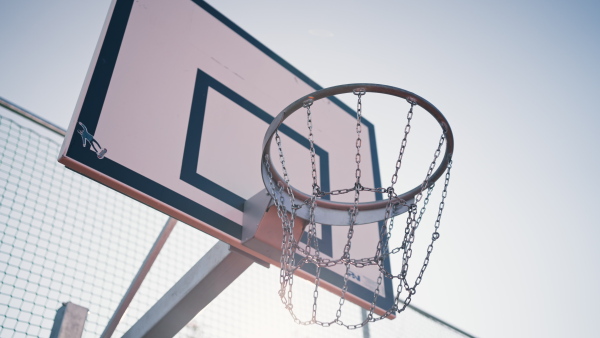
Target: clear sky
[516,80]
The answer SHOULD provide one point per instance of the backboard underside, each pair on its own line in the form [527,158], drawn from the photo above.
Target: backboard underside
[180,98]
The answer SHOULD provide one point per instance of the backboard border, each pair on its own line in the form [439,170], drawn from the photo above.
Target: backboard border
[108,172]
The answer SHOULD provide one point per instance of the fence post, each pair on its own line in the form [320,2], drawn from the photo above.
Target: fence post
[69,321]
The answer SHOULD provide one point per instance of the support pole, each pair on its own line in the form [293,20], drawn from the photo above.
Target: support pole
[139,278]
[212,274]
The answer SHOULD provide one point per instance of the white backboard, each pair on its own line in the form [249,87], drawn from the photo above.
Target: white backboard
[180,97]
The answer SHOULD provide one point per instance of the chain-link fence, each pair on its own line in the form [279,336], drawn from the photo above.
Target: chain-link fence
[64,237]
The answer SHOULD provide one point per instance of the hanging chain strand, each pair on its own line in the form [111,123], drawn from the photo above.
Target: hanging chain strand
[386,230]
[353,212]
[310,253]
[315,184]
[404,142]
[312,241]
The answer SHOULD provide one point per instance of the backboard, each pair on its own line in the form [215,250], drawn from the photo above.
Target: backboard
[173,113]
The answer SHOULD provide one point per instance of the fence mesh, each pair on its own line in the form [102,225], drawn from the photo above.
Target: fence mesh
[64,237]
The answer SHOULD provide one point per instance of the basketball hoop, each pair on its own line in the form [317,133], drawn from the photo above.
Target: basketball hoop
[313,208]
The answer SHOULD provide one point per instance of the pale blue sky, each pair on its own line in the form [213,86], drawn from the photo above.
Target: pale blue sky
[516,79]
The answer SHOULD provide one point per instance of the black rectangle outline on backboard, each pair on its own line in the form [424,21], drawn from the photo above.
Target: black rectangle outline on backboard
[191,153]
[90,114]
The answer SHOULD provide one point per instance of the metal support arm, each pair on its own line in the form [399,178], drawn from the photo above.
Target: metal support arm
[218,268]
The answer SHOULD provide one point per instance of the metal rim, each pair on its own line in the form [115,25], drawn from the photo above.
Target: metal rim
[349,88]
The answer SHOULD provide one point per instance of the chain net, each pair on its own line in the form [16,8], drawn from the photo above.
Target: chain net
[310,254]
